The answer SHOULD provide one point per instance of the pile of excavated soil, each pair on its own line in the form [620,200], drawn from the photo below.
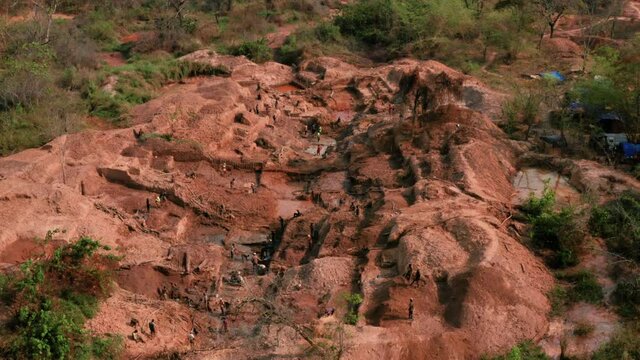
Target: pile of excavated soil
[224,163]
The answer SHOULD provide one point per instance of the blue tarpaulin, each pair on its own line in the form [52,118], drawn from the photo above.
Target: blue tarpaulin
[630,150]
[553,75]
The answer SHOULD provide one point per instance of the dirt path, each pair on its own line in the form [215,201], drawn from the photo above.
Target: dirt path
[276,39]
[31,15]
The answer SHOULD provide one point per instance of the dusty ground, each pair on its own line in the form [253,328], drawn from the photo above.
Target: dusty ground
[383,187]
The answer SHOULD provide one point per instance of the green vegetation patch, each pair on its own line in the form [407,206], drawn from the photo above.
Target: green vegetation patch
[257,51]
[353,303]
[556,231]
[575,287]
[618,222]
[51,299]
[523,351]
[625,344]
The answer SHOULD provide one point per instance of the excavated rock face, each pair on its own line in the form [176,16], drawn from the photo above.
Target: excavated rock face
[391,183]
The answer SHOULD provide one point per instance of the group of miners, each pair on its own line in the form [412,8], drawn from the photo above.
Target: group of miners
[136,335]
[411,277]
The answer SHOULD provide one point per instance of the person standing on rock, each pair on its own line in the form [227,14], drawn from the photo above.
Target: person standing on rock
[407,274]
[221,305]
[205,298]
[225,327]
[411,309]
[254,262]
[152,327]
[416,278]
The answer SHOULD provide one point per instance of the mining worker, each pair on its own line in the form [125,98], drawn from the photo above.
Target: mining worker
[225,327]
[319,132]
[232,182]
[318,150]
[254,261]
[411,309]
[407,274]
[192,337]
[136,336]
[221,305]
[416,278]
[152,327]
[205,299]
[232,252]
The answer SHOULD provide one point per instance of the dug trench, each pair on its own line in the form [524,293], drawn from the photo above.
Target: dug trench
[333,188]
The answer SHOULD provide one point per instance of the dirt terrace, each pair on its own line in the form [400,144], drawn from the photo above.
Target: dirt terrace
[414,172]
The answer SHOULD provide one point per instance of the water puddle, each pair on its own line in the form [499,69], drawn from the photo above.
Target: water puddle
[532,180]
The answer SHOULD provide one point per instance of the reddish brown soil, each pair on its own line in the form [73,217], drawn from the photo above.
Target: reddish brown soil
[434,190]
[112,58]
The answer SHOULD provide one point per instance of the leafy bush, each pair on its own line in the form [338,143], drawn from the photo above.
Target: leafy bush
[627,296]
[101,31]
[584,286]
[73,49]
[258,51]
[290,53]
[395,24]
[553,230]
[523,351]
[327,32]
[624,345]
[353,303]
[618,222]
[558,231]
[25,80]
[523,109]
[375,22]
[576,287]
[536,206]
[53,298]
[43,334]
